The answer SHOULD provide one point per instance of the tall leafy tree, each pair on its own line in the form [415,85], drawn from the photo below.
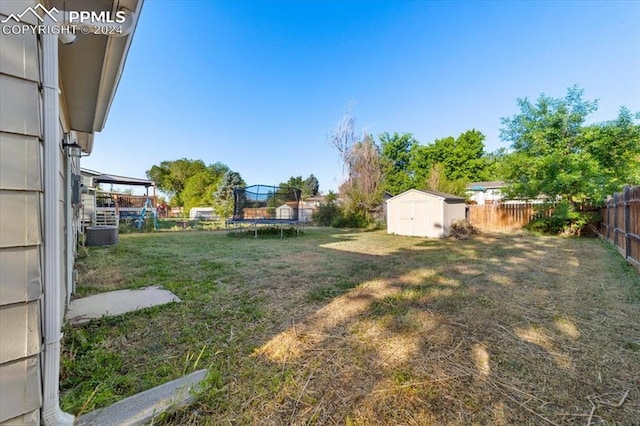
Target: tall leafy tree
[438,181]
[453,162]
[199,189]
[495,163]
[615,145]
[294,182]
[172,178]
[466,162]
[224,196]
[462,158]
[310,186]
[397,150]
[420,165]
[556,154]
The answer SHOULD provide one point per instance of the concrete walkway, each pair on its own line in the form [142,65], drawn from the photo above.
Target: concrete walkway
[141,408]
[117,302]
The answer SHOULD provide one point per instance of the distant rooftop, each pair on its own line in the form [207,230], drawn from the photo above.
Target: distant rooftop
[483,186]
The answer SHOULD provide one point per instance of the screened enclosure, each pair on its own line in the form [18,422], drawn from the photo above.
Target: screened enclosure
[266,204]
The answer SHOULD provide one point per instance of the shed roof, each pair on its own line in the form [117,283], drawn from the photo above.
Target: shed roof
[442,195]
[286,206]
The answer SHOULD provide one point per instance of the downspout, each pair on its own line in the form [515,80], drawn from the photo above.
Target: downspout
[51,413]
[68,209]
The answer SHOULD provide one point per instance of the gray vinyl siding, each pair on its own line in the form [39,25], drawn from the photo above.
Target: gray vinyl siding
[22,377]
[20,225]
[32,418]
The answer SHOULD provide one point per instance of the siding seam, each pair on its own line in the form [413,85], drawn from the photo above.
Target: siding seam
[25,135]
[23,246]
[21,191]
[24,358]
[18,77]
[21,303]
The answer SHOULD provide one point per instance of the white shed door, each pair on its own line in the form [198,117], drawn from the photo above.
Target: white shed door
[413,217]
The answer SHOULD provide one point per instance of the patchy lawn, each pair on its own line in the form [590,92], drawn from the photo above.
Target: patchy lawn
[340,327]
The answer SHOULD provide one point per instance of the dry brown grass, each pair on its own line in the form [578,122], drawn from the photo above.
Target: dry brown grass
[499,329]
[534,334]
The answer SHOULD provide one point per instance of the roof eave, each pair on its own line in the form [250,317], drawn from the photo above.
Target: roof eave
[113,65]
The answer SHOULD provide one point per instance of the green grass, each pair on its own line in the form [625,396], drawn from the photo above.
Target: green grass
[360,327]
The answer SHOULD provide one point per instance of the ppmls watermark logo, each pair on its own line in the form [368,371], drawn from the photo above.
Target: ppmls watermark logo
[33,11]
[65,22]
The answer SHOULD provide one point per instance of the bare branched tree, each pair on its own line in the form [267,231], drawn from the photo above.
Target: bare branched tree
[364,186]
[343,137]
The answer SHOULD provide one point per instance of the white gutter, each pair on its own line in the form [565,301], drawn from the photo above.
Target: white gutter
[51,413]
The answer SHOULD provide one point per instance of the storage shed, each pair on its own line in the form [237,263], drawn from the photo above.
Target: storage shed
[423,213]
[287,212]
[202,213]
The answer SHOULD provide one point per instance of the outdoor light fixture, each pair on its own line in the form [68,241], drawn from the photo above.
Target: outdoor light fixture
[73,149]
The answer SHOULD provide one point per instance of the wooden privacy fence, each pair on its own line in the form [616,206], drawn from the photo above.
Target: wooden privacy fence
[500,216]
[621,223]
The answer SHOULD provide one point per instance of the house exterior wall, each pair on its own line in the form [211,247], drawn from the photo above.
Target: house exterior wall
[88,209]
[21,199]
[305,214]
[489,196]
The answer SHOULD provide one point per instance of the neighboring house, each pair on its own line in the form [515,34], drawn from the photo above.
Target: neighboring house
[305,212]
[109,207]
[379,213]
[54,97]
[315,200]
[89,189]
[486,192]
[423,213]
[176,211]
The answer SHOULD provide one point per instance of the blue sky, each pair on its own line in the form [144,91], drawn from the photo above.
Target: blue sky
[258,85]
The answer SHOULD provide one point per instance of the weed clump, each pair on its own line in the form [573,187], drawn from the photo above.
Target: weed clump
[462,229]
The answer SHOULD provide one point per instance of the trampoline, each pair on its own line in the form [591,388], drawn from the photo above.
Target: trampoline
[266,205]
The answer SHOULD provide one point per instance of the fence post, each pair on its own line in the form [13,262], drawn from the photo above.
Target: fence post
[604,212]
[626,202]
[609,224]
[616,199]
